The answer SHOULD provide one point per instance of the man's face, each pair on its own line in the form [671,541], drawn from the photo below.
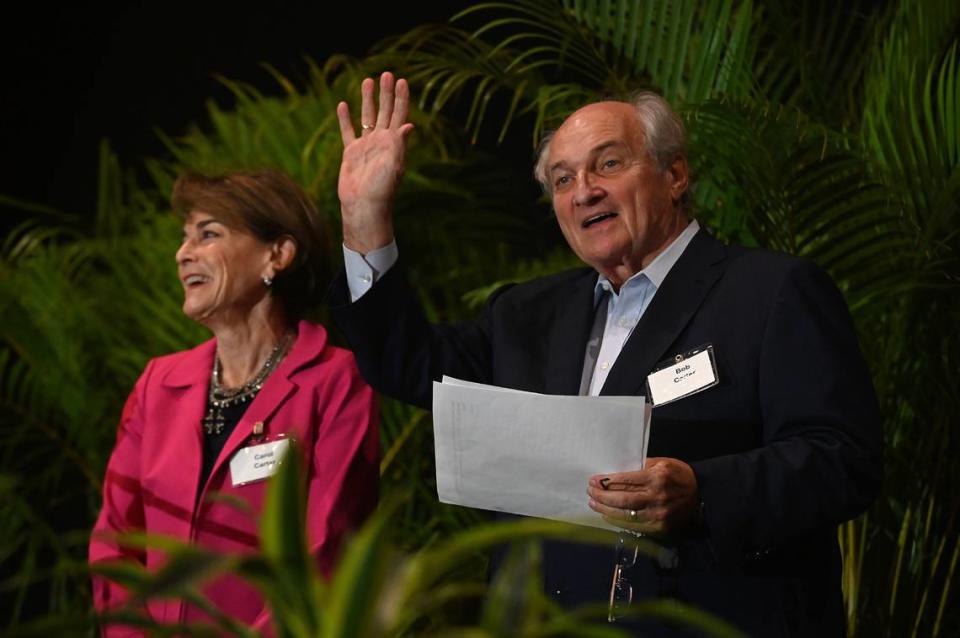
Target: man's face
[616,209]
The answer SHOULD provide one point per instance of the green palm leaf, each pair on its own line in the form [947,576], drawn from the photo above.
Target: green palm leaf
[688,50]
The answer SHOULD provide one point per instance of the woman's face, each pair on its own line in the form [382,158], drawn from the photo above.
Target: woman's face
[221,269]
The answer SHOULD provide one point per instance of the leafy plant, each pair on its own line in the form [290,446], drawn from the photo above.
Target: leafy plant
[830,132]
[378,590]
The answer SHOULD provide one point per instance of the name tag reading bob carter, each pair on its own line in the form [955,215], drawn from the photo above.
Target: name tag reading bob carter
[257,462]
[685,374]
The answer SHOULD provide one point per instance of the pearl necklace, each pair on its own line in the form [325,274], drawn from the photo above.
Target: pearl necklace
[219,397]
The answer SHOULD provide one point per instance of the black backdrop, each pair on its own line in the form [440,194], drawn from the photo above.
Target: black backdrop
[72,75]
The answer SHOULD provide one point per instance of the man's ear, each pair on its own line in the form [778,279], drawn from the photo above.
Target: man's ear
[679,178]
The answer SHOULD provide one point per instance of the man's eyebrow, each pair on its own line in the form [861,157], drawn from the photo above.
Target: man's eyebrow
[596,150]
[606,145]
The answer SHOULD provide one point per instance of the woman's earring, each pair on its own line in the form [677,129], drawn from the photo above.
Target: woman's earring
[267,281]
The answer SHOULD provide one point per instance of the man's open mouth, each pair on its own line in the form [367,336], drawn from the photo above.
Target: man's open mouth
[596,219]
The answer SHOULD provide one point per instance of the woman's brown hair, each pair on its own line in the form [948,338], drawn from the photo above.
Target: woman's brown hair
[269,205]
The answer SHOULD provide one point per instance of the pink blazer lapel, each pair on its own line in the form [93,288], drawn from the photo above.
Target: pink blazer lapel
[311,340]
[186,385]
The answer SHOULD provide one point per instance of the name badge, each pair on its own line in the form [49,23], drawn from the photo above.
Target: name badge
[683,375]
[257,462]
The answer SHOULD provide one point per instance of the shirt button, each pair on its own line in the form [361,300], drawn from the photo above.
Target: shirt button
[604,365]
[366,278]
[623,322]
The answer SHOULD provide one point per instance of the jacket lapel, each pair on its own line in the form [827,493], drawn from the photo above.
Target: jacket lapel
[676,301]
[311,340]
[187,383]
[567,341]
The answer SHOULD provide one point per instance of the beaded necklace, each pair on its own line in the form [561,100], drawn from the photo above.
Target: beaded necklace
[219,397]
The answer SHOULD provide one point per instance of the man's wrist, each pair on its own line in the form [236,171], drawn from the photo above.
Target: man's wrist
[367,244]
[366,231]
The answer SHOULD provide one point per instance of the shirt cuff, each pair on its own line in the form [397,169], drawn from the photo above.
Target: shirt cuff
[364,270]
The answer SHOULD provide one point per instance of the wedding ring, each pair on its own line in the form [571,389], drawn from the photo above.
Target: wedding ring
[366,127]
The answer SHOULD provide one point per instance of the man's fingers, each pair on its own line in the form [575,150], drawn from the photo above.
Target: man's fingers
[386,100]
[347,133]
[627,519]
[635,479]
[619,499]
[368,112]
[617,481]
[608,510]
[401,104]
[393,108]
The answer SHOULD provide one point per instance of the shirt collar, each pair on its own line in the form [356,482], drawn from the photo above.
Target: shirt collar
[657,270]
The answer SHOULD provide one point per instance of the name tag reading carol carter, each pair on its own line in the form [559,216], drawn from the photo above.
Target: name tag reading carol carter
[257,462]
[683,375]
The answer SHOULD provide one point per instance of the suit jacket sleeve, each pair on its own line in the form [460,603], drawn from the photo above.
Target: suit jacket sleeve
[821,458]
[122,509]
[399,352]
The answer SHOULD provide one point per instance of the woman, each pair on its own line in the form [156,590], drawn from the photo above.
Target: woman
[249,261]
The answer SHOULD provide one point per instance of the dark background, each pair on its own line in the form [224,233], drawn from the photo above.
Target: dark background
[73,75]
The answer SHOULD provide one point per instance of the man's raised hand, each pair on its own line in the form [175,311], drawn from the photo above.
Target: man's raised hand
[373,163]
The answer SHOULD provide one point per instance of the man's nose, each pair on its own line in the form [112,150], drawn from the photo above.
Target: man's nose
[588,191]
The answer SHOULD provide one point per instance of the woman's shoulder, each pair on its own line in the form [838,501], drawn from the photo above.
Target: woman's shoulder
[201,351]
[181,367]
[313,349]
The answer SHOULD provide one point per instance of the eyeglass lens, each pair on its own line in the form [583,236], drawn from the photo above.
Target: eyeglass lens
[621,591]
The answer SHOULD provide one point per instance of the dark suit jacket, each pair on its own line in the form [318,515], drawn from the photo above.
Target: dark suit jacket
[784,448]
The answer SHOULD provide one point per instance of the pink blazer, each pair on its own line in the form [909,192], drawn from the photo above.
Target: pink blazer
[316,395]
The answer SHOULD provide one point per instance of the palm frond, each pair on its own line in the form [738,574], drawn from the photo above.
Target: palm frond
[812,56]
[804,192]
[514,59]
[910,119]
[691,51]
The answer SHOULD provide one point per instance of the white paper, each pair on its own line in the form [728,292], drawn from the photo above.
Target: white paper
[532,454]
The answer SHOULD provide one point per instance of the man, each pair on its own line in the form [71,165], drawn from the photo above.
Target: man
[748,477]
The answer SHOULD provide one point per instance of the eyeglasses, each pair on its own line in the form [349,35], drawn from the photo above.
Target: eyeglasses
[621,591]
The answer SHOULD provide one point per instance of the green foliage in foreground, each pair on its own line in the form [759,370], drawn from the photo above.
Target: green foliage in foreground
[825,132]
[378,590]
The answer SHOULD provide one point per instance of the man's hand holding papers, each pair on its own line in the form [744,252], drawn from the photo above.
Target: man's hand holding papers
[661,498]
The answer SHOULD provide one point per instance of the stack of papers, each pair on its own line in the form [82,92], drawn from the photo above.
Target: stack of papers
[532,454]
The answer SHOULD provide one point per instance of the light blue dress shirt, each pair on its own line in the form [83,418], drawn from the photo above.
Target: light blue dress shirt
[364,270]
[624,309]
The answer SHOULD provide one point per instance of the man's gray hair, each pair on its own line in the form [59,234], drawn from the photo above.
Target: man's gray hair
[664,137]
